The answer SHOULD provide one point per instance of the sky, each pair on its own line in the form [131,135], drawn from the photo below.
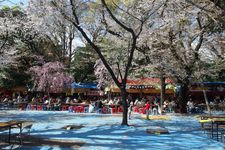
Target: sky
[14,2]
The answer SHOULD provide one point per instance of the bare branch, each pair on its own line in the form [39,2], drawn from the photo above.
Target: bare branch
[200,7]
[116,20]
[74,11]
[118,67]
[201,36]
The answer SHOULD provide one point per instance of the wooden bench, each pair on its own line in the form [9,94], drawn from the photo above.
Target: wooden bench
[9,125]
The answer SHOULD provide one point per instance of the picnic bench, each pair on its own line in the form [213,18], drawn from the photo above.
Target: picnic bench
[9,125]
[214,125]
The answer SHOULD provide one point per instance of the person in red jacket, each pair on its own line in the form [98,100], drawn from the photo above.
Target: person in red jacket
[147,109]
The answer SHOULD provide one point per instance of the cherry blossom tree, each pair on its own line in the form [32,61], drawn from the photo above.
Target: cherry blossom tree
[7,48]
[119,22]
[50,77]
[58,29]
[178,40]
[19,42]
[103,77]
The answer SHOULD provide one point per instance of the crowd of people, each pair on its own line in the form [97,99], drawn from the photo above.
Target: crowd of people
[216,103]
[145,104]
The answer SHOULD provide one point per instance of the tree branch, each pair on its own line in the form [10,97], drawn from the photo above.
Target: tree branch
[116,20]
[74,11]
[118,67]
[108,28]
[200,37]
[200,7]
[172,49]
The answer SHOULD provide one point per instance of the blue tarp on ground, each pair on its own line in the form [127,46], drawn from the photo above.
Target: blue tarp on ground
[75,85]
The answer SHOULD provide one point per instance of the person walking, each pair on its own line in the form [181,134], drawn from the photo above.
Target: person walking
[147,109]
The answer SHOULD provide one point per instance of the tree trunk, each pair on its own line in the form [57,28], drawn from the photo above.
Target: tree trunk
[70,53]
[125,106]
[183,98]
[163,90]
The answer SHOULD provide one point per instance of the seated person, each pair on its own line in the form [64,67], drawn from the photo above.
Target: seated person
[57,104]
[91,107]
[46,101]
[165,105]
[5,100]
[110,102]
[136,102]
[190,106]
[67,100]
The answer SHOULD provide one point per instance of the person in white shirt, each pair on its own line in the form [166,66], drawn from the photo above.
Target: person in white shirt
[190,105]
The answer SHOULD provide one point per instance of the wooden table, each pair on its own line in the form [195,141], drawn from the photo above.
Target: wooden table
[11,124]
[216,123]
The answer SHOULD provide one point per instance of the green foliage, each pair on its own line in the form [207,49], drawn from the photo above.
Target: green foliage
[16,8]
[82,66]
[11,11]
[12,77]
[6,8]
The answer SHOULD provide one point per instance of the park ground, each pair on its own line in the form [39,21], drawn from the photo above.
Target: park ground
[53,130]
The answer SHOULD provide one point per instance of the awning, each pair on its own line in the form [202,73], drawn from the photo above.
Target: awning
[95,93]
[75,85]
[144,91]
[145,85]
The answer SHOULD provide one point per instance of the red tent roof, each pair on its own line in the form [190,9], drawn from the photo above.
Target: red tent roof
[146,81]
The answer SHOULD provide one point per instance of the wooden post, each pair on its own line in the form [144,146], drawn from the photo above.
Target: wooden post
[206,102]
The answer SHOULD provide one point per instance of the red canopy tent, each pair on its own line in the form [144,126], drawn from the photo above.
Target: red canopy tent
[144,85]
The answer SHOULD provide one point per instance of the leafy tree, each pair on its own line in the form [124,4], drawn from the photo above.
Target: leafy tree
[82,66]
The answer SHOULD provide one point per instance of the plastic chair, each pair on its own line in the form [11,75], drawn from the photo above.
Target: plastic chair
[142,110]
[23,107]
[70,109]
[44,107]
[104,110]
[155,111]
[39,107]
[76,109]
[86,109]
[136,109]
[81,109]
[28,107]
[120,110]
[113,110]
[65,108]
[33,107]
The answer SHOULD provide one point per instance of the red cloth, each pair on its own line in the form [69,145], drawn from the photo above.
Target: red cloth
[147,106]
